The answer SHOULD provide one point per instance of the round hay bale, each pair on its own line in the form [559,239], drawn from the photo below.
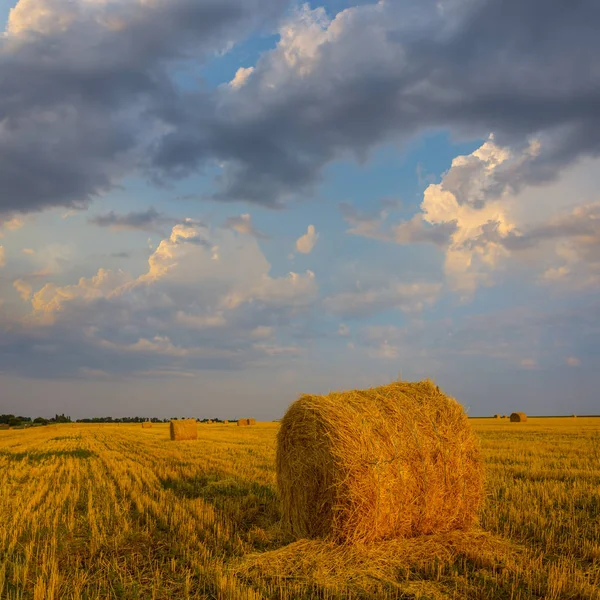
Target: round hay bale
[394,461]
[518,417]
[242,422]
[184,429]
[225,422]
[496,416]
[251,421]
[146,425]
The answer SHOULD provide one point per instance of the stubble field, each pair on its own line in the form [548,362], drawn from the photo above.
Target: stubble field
[116,511]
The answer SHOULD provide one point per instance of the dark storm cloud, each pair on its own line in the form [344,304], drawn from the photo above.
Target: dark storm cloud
[102,102]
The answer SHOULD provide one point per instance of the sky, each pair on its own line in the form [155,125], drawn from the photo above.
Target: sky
[209,207]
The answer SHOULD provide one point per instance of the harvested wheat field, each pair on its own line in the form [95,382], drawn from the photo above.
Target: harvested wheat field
[107,511]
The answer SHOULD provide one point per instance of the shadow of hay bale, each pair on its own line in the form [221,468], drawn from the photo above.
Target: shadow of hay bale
[363,568]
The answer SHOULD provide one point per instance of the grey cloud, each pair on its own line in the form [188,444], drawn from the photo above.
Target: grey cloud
[102,103]
[416,230]
[392,70]
[79,102]
[148,220]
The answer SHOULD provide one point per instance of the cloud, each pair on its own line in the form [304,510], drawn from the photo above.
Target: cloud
[187,311]
[147,220]
[306,243]
[25,290]
[573,361]
[337,88]
[407,297]
[84,85]
[89,93]
[2,257]
[243,224]
[343,330]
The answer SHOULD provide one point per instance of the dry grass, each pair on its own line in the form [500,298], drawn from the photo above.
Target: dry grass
[100,512]
[184,429]
[518,417]
[360,466]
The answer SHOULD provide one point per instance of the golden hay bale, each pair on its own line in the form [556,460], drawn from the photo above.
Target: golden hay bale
[146,425]
[184,429]
[246,422]
[210,421]
[360,466]
[225,422]
[496,416]
[518,417]
[251,421]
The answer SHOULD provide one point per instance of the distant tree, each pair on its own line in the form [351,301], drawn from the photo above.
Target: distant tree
[14,422]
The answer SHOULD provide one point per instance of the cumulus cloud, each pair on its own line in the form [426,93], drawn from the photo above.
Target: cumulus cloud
[147,220]
[407,297]
[306,243]
[88,93]
[243,224]
[187,310]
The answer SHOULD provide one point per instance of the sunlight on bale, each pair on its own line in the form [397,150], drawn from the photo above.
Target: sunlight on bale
[395,461]
[184,429]
[518,417]
[146,425]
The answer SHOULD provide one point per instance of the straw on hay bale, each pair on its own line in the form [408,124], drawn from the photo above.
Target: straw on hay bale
[146,425]
[184,429]
[518,417]
[394,461]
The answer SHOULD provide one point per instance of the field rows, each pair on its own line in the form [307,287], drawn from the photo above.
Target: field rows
[114,511]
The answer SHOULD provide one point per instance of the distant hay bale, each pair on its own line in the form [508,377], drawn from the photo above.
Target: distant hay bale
[146,425]
[246,422]
[210,421]
[518,417]
[184,429]
[395,461]
[496,416]
[251,421]
[225,422]
[574,416]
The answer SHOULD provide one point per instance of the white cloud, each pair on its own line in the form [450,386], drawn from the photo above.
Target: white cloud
[528,363]
[28,251]
[573,361]
[25,290]
[307,242]
[243,224]
[408,297]
[186,307]
[2,257]
[241,77]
